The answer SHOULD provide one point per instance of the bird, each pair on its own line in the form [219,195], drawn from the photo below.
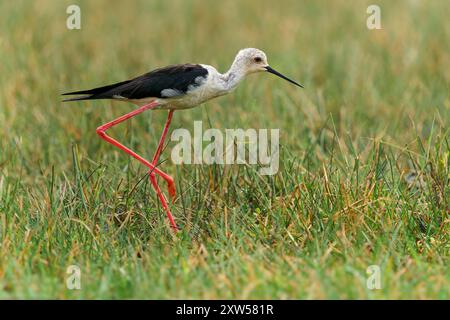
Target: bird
[175,87]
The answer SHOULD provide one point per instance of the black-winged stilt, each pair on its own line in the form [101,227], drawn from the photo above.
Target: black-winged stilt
[173,88]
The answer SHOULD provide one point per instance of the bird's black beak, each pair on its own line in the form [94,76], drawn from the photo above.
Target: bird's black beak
[269,69]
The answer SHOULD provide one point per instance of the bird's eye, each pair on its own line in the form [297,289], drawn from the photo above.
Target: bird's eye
[257,59]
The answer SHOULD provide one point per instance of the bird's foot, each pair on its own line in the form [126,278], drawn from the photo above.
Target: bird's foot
[171,189]
[170,185]
[162,198]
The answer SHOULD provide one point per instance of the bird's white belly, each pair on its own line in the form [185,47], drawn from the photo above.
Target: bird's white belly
[193,98]
[189,100]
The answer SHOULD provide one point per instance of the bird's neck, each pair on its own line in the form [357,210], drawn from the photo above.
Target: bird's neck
[233,76]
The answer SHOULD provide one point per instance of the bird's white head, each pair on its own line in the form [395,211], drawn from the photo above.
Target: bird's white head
[251,60]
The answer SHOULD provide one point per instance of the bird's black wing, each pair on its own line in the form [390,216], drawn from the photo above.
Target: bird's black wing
[167,82]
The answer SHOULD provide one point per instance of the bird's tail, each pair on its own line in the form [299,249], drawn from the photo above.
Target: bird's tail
[89,97]
[96,93]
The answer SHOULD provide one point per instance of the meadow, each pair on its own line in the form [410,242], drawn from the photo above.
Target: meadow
[364,153]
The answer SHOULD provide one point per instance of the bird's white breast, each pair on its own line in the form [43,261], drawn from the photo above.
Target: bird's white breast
[211,87]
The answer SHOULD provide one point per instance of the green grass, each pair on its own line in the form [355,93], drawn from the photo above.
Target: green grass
[375,110]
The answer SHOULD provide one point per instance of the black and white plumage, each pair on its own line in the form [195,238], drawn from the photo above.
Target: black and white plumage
[168,82]
[182,86]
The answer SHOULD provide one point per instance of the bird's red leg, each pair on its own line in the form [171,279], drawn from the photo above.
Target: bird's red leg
[101,131]
[163,201]
[163,137]
[172,191]
[153,180]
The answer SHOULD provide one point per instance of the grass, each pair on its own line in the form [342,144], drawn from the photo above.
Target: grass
[364,164]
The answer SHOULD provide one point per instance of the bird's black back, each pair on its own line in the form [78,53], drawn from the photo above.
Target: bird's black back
[164,82]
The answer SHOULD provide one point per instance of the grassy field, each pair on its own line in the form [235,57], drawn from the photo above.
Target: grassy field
[364,156]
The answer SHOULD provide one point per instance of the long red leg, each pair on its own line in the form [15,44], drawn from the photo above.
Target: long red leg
[171,188]
[163,201]
[153,180]
[101,131]
[163,137]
